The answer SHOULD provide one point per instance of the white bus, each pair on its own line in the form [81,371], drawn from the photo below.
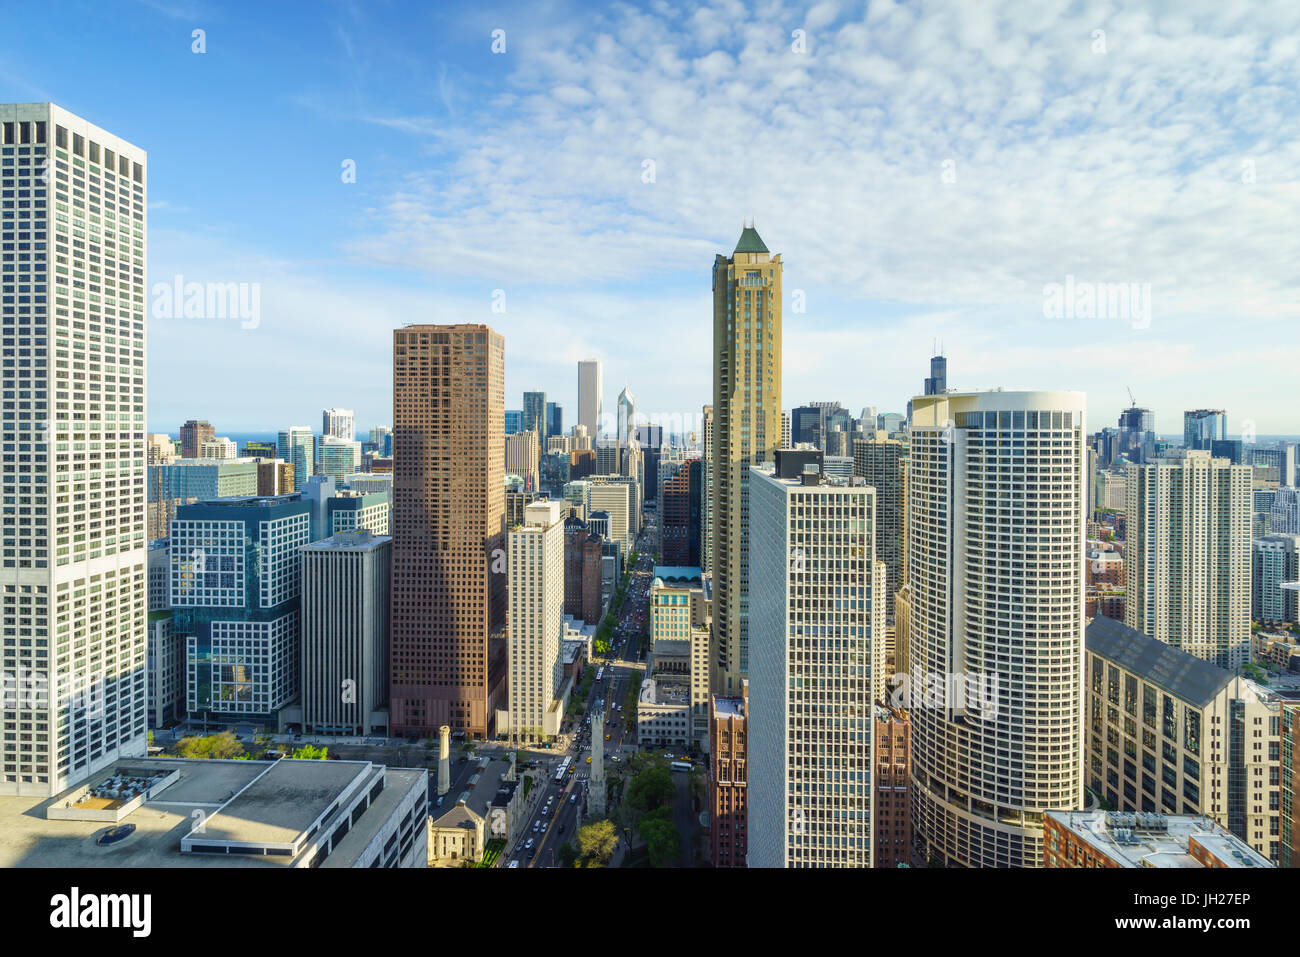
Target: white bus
[600,672]
[680,766]
[563,769]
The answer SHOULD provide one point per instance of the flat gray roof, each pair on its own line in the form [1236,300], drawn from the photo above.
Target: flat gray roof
[278,801]
[282,803]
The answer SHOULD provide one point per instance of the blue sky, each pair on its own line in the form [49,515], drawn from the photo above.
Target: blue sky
[925,170]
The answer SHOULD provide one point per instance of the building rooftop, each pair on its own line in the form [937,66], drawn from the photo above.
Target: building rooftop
[351,539]
[1168,668]
[675,576]
[213,801]
[725,707]
[1138,839]
[750,242]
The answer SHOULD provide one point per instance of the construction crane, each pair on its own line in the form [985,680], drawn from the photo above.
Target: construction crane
[1131,401]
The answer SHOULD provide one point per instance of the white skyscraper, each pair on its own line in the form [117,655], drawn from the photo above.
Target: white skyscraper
[535,570]
[340,423]
[75,564]
[1187,555]
[816,648]
[995,523]
[626,414]
[590,390]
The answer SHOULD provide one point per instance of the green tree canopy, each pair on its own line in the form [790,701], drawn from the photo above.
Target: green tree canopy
[663,840]
[651,788]
[310,752]
[596,843]
[223,746]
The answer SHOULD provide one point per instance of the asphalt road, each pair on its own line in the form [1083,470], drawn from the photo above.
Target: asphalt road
[621,666]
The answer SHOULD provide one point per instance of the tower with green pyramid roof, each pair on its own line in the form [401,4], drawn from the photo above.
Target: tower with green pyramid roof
[747,303]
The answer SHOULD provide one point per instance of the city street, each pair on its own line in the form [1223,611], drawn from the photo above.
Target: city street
[622,668]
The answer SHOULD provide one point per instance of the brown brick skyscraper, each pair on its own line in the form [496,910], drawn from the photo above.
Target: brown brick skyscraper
[448,647]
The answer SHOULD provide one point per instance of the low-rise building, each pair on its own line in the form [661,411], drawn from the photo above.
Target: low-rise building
[1079,839]
[663,712]
[214,813]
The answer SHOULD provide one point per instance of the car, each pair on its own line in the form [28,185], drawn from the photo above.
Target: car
[536,825]
[573,798]
[543,827]
[514,863]
[529,845]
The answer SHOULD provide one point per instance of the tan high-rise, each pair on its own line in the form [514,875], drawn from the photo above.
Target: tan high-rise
[746,431]
[448,648]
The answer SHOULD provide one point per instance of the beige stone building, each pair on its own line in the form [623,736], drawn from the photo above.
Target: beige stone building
[747,308]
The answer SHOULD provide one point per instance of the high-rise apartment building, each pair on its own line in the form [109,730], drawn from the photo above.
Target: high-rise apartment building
[996,511]
[340,423]
[1275,564]
[74,581]
[193,434]
[297,446]
[747,303]
[448,658]
[816,643]
[535,570]
[338,457]
[728,778]
[218,448]
[346,581]
[1187,555]
[882,463]
[591,388]
[706,493]
[615,498]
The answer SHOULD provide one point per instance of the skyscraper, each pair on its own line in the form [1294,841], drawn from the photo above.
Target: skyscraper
[747,410]
[346,582]
[534,419]
[448,657]
[554,419]
[706,493]
[74,582]
[340,423]
[236,585]
[1203,427]
[817,646]
[535,570]
[522,458]
[590,391]
[1137,434]
[193,434]
[995,537]
[626,413]
[882,463]
[937,383]
[297,446]
[1187,555]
